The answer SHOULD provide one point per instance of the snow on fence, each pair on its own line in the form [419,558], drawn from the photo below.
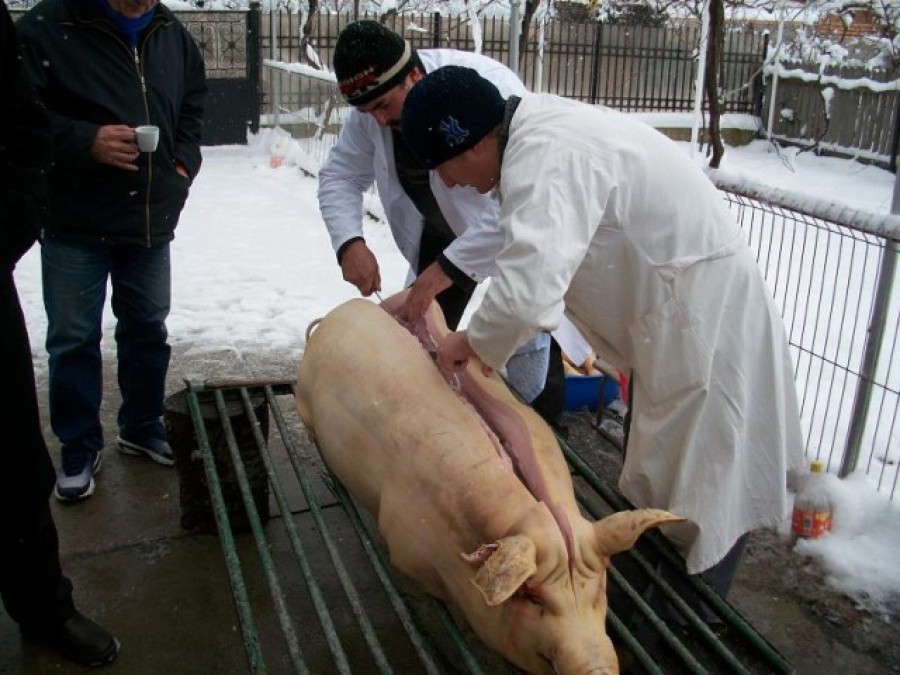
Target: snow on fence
[832,271]
[847,111]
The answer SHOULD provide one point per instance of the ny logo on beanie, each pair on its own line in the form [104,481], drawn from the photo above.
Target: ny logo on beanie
[448,112]
[452,132]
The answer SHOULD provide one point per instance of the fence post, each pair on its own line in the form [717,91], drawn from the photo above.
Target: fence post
[595,61]
[513,50]
[701,74]
[254,48]
[895,140]
[436,30]
[759,82]
[776,61]
[874,341]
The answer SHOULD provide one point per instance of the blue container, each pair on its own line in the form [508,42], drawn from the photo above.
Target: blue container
[584,391]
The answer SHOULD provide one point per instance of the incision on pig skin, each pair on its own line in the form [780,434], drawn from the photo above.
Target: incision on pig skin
[504,426]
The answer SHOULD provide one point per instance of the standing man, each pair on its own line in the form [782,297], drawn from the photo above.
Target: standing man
[34,590]
[608,220]
[450,239]
[104,67]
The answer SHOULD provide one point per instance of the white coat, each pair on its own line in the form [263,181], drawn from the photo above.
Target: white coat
[609,220]
[364,153]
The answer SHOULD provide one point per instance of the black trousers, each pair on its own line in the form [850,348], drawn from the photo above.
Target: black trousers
[453,300]
[32,585]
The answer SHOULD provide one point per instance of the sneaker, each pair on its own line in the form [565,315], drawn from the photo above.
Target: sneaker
[79,639]
[150,441]
[75,477]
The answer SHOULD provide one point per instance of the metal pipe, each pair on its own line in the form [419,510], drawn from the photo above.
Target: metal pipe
[775,61]
[226,538]
[514,32]
[288,629]
[701,75]
[875,338]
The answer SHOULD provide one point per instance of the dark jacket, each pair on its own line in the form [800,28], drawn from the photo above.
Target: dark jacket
[88,76]
[24,155]
[24,161]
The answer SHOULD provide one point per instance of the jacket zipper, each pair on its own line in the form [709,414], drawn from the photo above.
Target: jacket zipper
[140,74]
[139,65]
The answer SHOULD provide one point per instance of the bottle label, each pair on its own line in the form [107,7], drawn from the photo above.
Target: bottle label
[810,523]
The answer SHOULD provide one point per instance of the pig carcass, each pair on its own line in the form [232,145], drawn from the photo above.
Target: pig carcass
[472,494]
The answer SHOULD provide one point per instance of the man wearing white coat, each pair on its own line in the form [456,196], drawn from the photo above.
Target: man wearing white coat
[450,238]
[609,221]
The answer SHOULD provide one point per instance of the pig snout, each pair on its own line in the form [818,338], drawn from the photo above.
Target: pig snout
[579,658]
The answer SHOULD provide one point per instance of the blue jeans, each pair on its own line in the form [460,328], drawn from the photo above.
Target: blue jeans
[75,281]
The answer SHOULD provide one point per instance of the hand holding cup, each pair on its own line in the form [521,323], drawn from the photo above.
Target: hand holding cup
[147,137]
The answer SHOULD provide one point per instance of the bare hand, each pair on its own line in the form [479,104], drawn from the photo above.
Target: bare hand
[114,145]
[427,285]
[454,352]
[360,268]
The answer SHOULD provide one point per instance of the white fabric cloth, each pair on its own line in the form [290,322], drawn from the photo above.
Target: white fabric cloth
[637,246]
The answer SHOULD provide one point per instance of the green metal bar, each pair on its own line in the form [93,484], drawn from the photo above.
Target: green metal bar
[315,509]
[315,592]
[678,602]
[381,568]
[660,626]
[469,660]
[259,536]
[765,651]
[632,644]
[226,539]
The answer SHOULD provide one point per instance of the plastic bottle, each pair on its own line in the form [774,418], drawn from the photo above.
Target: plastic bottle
[813,510]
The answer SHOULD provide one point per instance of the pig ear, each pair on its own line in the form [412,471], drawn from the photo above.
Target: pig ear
[508,566]
[619,532]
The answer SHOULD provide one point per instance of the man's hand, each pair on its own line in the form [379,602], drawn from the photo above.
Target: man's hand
[114,145]
[454,352]
[428,284]
[360,268]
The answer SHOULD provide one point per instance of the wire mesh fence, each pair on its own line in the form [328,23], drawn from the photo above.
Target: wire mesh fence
[835,284]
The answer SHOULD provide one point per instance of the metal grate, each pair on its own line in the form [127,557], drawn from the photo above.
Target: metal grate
[314,591]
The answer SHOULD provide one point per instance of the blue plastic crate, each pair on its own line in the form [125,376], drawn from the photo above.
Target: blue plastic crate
[583,391]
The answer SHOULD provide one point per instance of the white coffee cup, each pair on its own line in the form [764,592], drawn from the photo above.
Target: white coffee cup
[147,137]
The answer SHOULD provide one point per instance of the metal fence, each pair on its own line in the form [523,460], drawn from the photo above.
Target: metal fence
[650,68]
[832,273]
[627,67]
[834,277]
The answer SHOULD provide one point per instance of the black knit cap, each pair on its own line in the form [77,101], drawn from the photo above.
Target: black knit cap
[448,111]
[369,59]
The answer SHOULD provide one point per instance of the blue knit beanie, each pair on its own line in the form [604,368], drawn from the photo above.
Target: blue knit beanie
[448,111]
